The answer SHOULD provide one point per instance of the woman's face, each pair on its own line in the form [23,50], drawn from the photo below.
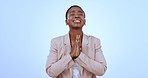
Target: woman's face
[76,18]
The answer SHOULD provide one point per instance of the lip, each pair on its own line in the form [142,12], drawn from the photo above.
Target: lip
[76,20]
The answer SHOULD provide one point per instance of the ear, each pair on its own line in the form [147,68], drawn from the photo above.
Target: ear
[84,21]
[66,21]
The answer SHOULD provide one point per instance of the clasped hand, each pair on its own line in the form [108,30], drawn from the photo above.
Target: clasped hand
[76,45]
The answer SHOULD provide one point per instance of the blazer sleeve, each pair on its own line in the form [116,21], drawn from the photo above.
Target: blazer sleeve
[97,65]
[55,66]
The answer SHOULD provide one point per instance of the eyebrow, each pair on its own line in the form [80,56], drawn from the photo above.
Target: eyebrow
[71,11]
[78,11]
[81,11]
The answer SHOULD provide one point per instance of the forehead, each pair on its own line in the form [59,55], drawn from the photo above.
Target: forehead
[75,9]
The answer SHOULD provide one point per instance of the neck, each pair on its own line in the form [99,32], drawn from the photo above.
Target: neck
[75,32]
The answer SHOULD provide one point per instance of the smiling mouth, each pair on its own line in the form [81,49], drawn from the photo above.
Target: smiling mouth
[76,21]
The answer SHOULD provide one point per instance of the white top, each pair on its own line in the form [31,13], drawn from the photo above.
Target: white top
[76,71]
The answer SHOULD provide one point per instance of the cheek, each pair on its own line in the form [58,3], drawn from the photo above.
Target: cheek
[70,17]
[68,21]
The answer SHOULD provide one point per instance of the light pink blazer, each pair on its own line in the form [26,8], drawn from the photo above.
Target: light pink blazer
[91,59]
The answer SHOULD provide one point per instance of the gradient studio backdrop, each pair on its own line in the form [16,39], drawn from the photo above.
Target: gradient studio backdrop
[27,26]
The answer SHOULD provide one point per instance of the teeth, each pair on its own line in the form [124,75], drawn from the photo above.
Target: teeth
[76,20]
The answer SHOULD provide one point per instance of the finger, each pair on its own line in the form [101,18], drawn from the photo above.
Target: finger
[77,41]
[77,37]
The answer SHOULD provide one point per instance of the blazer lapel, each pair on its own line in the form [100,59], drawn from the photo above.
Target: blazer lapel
[67,42]
[84,43]
[84,49]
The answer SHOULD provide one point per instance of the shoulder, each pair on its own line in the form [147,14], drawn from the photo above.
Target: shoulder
[93,38]
[58,38]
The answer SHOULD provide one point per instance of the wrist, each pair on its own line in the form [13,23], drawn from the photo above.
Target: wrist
[74,57]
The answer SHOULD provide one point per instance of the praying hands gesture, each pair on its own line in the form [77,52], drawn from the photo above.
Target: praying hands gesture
[76,47]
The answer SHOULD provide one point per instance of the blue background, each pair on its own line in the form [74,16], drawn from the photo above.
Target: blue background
[27,26]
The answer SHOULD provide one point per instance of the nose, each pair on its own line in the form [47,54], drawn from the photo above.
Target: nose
[76,16]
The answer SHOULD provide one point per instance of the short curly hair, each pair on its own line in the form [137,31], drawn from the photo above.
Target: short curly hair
[66,15]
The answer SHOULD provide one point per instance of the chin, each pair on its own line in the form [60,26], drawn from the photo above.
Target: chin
[77,26]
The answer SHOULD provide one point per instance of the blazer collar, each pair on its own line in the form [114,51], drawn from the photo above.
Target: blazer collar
[67,39]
